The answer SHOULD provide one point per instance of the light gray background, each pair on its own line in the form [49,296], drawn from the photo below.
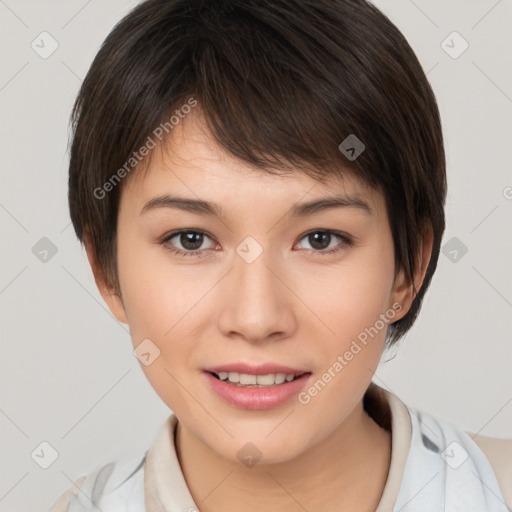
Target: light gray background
[68,375]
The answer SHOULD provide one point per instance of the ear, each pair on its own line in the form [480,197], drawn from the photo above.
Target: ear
[112,299]
[403,291]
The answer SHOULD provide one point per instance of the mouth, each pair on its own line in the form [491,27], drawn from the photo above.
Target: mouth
[247,386]
[246,380]
[263,385]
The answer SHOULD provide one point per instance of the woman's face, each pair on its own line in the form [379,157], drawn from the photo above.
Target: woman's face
[265,283]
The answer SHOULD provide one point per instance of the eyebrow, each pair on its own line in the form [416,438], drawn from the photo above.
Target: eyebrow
[202,207]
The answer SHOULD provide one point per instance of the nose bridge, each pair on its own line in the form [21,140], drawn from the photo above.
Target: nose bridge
[257,303]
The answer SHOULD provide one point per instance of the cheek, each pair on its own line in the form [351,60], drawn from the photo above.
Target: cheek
[351,297]
[349,356]
[156,295]
[163,303]
[157,302]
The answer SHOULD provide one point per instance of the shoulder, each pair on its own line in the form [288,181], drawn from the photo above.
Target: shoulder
[463,460]
[112,487]
[499,454]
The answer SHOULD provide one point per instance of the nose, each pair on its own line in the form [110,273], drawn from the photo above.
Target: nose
[256,304]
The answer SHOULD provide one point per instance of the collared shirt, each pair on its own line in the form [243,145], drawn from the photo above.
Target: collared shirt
[434,467]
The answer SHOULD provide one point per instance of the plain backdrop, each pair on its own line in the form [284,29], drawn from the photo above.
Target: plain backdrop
[68,374]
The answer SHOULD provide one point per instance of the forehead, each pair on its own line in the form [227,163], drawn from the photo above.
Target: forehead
[189,160]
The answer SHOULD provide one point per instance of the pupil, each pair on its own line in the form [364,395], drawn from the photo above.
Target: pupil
[187,240]
[322,236]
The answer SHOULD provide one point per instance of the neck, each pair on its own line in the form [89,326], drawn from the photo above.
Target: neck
[346,471]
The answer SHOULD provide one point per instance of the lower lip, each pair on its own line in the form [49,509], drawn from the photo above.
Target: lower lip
[257,398]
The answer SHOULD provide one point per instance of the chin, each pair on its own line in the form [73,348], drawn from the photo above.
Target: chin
[254,446]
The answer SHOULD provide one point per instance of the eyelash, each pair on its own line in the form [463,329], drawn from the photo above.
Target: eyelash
[346,239]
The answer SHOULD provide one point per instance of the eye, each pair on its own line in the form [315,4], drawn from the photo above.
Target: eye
[321,241]
[191,241]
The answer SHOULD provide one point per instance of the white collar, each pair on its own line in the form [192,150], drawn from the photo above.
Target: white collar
[434,465]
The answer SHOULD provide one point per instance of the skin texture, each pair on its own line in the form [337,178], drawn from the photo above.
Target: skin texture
[292,305]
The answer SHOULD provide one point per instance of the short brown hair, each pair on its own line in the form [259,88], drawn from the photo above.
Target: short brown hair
[281,83]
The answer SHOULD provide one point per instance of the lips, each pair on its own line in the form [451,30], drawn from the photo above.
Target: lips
[261,386]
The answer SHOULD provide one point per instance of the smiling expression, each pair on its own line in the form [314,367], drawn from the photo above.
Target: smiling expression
[224,267]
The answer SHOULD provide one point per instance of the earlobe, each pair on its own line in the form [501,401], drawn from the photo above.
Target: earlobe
[111,298]
[404,290]
[115,304]
[402,294]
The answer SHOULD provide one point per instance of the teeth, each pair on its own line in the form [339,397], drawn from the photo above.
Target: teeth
[247,379]
[266,380]
[244,379]
[281,377]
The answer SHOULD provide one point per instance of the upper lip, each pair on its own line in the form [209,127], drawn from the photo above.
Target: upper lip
[255,369]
